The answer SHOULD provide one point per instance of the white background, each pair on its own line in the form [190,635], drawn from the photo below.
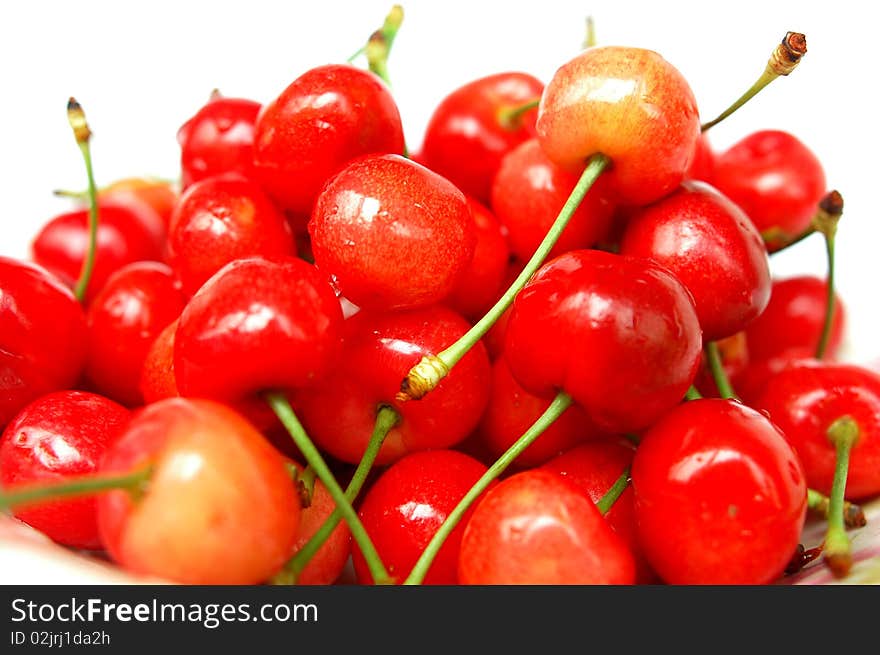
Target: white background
[140,69]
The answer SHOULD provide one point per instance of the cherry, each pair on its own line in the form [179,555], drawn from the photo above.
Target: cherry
[123,237]
[720,496]
[324,119]
[794,318]
[776,180]
[392,233]
[157,380]
[141,194]
[257,324]
[482,282]
[134,306]
[57,436]
[632,106]
[218,139]
[631,335]
[511,410]
[711,246]
[219,506]
[528,193]
[751,381]
[405,506]
[42,336]
[537,528]
[219,219]
[703,164]
[379,349]
[475,125]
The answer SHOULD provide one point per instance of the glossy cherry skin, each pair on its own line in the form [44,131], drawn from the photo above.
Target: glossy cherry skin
[467,136]
[537,528]
[406,506]
[324,119]
[220,507]
[42,336]
[380,349]
[702,166]
[123,237]
[220,219]
[134,306]
[630,333]
[805,398]
[58,436]
[629,104]
[776,180]
[257,324]
[750,381]
[713,248]
[720,496]
[512,410]
[392,233]
[482,282]
[218,139]
[528,193]
[157,380]
[794,318]
[593,468]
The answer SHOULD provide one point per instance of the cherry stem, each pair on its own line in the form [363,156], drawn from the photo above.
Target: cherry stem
[81,132]
[843,434]
[590,38]
[853,515]
[801,558]
[428,373]
[825,221]
[713,357]
[560,403]
[693,393]
[379,45]
[281,406]
[783,60]
[607,501]
[386,418]
[134,482]
[510,118]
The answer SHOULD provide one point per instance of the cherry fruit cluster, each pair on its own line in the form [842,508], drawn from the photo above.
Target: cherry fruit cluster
[543,348]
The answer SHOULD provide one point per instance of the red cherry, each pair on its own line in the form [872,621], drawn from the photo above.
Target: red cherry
[220,507]
[392,233]
[134,306]
[257,324]
[527,195]
[324,119]
[218,139]
[537,528]
[512,410]
[482,282]
[159,195]
[593,468]
[405,507]
[467,135]
[58,436]
[794,318]
[619,334]
[804,399]
[720,496]
[712,247]
[751,381]
[123,238]
[776,180]
[630,105]
[220,219]
[703,164]
[157,376]
[379,350]
[42,336]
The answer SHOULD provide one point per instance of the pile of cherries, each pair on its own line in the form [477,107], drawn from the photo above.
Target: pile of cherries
[544,348]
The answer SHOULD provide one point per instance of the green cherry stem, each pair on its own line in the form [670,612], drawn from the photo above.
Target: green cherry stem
[843,435]
[560,403]
[693,393]
[590,37]
[379,45]
[133,482]
[819,504]
[607,501]
[713,357]
[510,118]
[281,406]
[825,221]
[426,374]
[81,132]
[783,60]
[386,418]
